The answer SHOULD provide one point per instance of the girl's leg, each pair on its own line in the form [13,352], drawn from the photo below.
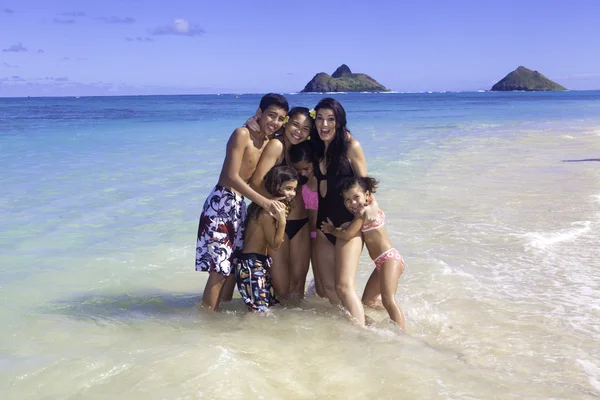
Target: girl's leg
[390,275]
[315,266]
[347,254]
[325,255]
[280,276]
[372,291]
[299,260]
[212,291]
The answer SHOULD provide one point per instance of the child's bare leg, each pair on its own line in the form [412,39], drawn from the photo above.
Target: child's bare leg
[390,275]
[299,260]
[228,288]
[370,297]
[212,291]
[280,275]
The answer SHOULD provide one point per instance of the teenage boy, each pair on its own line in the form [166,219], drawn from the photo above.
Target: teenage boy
[221,226]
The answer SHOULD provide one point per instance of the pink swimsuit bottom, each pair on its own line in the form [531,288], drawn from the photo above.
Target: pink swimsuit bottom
[391,254]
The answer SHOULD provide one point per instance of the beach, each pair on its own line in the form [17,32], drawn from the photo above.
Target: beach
[493,199]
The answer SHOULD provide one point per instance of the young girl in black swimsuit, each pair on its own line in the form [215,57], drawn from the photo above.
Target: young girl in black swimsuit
[292,259]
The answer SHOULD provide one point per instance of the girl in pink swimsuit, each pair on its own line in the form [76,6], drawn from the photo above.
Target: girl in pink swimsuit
[302,158]
[389,264]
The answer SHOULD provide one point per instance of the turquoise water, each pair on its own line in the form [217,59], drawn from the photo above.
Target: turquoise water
[489,198]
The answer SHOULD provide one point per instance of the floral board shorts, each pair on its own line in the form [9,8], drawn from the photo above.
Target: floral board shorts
[220,231]
[254,281]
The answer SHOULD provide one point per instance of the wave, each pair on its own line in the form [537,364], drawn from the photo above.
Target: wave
[541,240]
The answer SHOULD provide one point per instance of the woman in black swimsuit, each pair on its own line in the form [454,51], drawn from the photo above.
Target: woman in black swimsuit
[340,156]
[291,260]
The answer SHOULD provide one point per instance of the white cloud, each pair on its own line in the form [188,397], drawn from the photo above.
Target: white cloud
[180,27]
[57,79]
[63,21]
[139,39]
[117,20]
[15,48]
[7,65]
[73,14]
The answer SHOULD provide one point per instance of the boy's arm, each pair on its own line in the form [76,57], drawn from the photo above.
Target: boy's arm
[268,159]
[230,173]
[274,230]
[346,233]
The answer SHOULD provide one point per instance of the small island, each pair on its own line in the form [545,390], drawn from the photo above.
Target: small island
[343,80]
[525,79]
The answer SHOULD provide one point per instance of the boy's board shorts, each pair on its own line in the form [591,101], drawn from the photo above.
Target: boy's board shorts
[220,231]
[254,281]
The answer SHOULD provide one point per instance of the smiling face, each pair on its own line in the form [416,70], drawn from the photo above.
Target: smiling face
[298,128]
[271,120]
[356,198]
[325,124]
[305,169]
[288,190]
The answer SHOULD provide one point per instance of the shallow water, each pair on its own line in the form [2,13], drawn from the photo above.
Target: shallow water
[493,199]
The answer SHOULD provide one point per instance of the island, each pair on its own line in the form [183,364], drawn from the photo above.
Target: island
[343,80]
[525,79]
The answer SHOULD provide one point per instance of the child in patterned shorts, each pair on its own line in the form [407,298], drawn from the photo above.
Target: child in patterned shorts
[263,231]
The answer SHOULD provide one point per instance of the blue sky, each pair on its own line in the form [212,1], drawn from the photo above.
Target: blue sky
[85,47]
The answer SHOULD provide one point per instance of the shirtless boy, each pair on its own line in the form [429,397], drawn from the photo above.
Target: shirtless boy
[221,226]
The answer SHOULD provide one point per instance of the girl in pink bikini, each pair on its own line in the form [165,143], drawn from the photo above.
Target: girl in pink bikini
[389,264]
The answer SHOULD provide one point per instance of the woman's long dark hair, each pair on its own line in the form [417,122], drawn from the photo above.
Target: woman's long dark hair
[337,152]
[274,180]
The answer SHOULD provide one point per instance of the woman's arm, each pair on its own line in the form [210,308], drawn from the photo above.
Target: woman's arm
[359,166]
[268,159]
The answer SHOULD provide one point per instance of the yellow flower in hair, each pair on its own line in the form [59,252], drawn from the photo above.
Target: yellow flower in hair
[313,113]
[287,118]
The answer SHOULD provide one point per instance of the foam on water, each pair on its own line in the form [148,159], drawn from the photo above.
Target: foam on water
[541,240]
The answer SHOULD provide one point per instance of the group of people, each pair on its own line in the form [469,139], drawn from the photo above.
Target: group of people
[312,203]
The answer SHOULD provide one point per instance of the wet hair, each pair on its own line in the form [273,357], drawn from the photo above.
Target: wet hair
[303,151]
[274,99]
[299,110]
[337,152]
[273,181]
[365,183]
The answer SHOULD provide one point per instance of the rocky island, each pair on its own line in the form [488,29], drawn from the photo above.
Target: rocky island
[343,80]
[525,79]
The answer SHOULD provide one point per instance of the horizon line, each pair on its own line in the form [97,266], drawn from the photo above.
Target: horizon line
[299,93]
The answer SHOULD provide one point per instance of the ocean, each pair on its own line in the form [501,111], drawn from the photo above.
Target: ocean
[492,198]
